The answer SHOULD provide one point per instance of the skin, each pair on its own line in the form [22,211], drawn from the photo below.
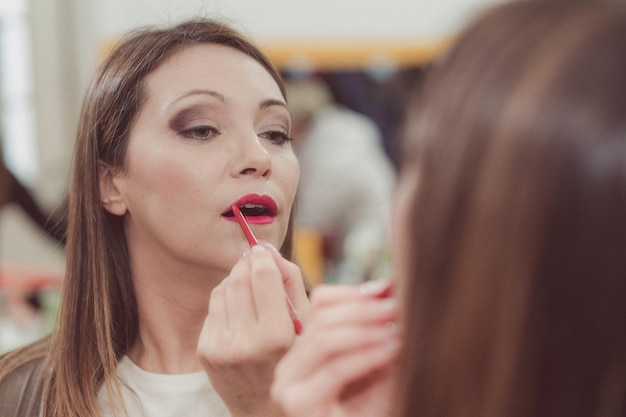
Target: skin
[214,127]
[347,352]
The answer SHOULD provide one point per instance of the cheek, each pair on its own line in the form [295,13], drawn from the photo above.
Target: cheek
[160,177]
[153,172]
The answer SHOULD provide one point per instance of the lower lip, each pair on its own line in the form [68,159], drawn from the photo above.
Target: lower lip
[253,219]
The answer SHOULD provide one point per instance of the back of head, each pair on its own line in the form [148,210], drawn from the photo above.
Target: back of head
[516,303]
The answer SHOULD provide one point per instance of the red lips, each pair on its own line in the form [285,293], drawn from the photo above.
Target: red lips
[257,209]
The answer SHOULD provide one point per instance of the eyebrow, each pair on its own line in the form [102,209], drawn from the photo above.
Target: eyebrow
[272,102]
[191,93]
[264,104]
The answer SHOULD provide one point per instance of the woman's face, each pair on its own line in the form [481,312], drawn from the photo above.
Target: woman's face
[213,131]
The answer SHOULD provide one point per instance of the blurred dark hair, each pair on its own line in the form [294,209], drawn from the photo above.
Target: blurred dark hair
[517,301]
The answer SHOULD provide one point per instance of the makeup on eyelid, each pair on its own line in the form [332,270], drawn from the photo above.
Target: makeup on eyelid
[188,118]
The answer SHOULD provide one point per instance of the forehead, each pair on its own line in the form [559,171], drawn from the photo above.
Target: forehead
[210,66]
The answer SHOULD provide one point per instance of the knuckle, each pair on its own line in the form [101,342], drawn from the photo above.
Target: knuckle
[319,295]
[321,318]
[264,269]
[275,343]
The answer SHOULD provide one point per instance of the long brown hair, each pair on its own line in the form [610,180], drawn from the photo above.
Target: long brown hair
[98,318]
[516,303]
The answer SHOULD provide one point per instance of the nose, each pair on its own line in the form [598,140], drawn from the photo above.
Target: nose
[251,158]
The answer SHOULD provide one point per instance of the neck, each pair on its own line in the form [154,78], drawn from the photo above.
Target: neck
[172,308]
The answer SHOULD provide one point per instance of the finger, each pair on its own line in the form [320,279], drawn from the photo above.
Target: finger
[318,345]
[269,295]
[328,382]
[296,297]
[292,281]
[359,311]
[329,293]
[341,370]
[240,303]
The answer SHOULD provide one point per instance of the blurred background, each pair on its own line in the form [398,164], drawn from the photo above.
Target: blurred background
[348,65]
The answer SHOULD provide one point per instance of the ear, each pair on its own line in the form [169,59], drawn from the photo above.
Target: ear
[110,196]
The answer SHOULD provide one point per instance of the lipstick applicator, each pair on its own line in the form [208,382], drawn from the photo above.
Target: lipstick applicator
[252,241]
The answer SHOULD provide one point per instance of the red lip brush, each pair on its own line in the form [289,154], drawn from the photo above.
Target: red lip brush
[244,226]
[252,241]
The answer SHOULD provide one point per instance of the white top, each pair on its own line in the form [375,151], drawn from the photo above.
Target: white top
[148,394]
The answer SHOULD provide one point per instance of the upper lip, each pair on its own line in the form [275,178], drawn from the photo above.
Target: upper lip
[248,201]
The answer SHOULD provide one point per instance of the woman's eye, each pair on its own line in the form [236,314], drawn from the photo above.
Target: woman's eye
[277,137]
[200,132]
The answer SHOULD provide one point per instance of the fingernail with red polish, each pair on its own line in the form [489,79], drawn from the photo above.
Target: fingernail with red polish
[377,288]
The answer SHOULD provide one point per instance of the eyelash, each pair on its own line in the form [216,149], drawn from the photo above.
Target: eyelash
[203,133]
[276,137]
[192,133]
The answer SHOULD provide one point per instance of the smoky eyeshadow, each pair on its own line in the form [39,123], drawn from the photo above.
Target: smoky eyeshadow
[181,120]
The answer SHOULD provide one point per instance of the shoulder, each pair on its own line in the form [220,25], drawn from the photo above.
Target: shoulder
[21,383]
